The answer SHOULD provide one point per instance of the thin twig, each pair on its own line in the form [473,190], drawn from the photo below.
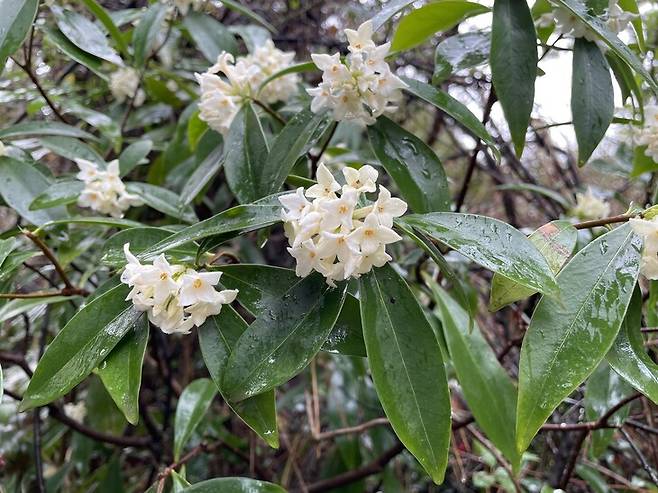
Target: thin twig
[51,256]
[643,460]
[501,460]
[269,111]
[203,447]
[30,73]
[328,435]
[622,218]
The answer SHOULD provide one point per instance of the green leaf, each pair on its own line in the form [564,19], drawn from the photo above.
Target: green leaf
[6,247]
[514,64]
[493,244]
[71,148]
[628,355]
[109,24]
[201,176]
[237,220]
[628,84]
[84,342]
[35,129]
[592,97]
[92,62]
[59,193]
[604,390]
[283,340]
[133,155]
[217,337]
[247,12]
[121,372]
[556,241]
[20,184]
[141,239]
[294,140]
[192,406]
[100,221]
[2,386]
[15,23]
[252,35]
[538,189]
[14,308]
[246,157]
[234,485]
[420,24]
[162,200]
[462,115]
[568,338]
[407,368]
[210,36]
[488,390]
[292,69]
[459,52]
[387,11]
[84,34]
[412,164]
[147,31]
[600,28]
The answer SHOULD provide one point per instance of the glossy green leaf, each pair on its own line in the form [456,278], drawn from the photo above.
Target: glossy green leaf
[488,390]
[210,36]
[283,340]
[247,12]
[80,346]
[628,356]
[604,389]
[133,155]
[294,140]
[35,129]
[203,174]
[16,307]
[217,337]
[459,52]
[292,69]
[407,368]
[556,241]
[600,28]
[568,338]
[513,61]
[421,23]
[6,247]
[111,222]
[121,372]
[592,97]
[84,34]
[71,148]
[15,23]
[412,164]
[92,62]
[387,11]
[234,485]
[192,406]
[146,32]
[453,108]
[162,200]
[493,244]
[246,156]
[101,14]
[59,193]
[20,184]
[237,220]
[141,239]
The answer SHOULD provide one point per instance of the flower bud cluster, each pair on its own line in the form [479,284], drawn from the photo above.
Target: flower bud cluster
[124,84]
[570,24]
[648,230]
[331,235]
[104,191]
[362,88]
[589,206]
[648,136]
[175,297]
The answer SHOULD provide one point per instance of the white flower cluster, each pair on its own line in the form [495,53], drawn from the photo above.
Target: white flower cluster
[364,87]
[589,206]
[104,191]
[648,230]
[648,136]
[176,298]
[222,97]
[124,85]
[328,236]
[570,24]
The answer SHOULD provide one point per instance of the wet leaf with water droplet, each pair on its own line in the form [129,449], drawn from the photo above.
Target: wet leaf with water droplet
[192,406]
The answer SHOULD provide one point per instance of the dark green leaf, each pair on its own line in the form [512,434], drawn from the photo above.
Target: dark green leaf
[642,163]
[71,148]
[100,220]
[133,155]
[514,64]
[6,247]
[162,200]
[210,36]
[192,406]
[407,368]
[109,24]
[567,338]
[282,340]
[141,239]
[147,31]
[90,61]
[121,372]
[59,193]
[493,244]
[15,22]
[84,342]
[34,129]
[631,6]
[292,69]
[234,485]
[14,308]
[247,12]
[460,52]
[206,171]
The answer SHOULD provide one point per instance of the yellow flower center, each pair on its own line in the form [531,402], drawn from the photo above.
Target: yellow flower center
[197,283]
[164,276]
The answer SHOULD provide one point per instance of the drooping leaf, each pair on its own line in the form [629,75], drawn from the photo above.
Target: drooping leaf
[16,307]
[140,239]
[493,244]
[80,346]
[162,200]
[592,97]
[568,338]
[459,52]
[234,485]
[407,368]
[488,389]
[210,36]
[6,247]
[105,19]
[421,23]
[283,339]
[246,157]
[192,406]
[121,371]
[33,129]
[71,148]
[513,61]
[59,193]
[92,62]
[15,23]
[628,356]
[133,155]
[146,32]
[217,337]
[412,164]
[556,242]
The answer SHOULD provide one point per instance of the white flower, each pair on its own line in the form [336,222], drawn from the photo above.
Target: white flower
[326,186]
[371,235]
[648,230]
[307,256]
[618,19]
[362,88]
[589,206]
[296,205]
[362,180]
[570,24]
[375,259]
[124,84]
[175,298]
[648,136]
[545,20]
[338,212]
[3,149]
[387,208]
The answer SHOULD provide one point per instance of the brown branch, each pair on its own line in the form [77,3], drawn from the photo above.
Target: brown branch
[203,447]
[30,73]
[622,218]
[327,435]
[269,111]
[50,256]
[643,460]
[494,451]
